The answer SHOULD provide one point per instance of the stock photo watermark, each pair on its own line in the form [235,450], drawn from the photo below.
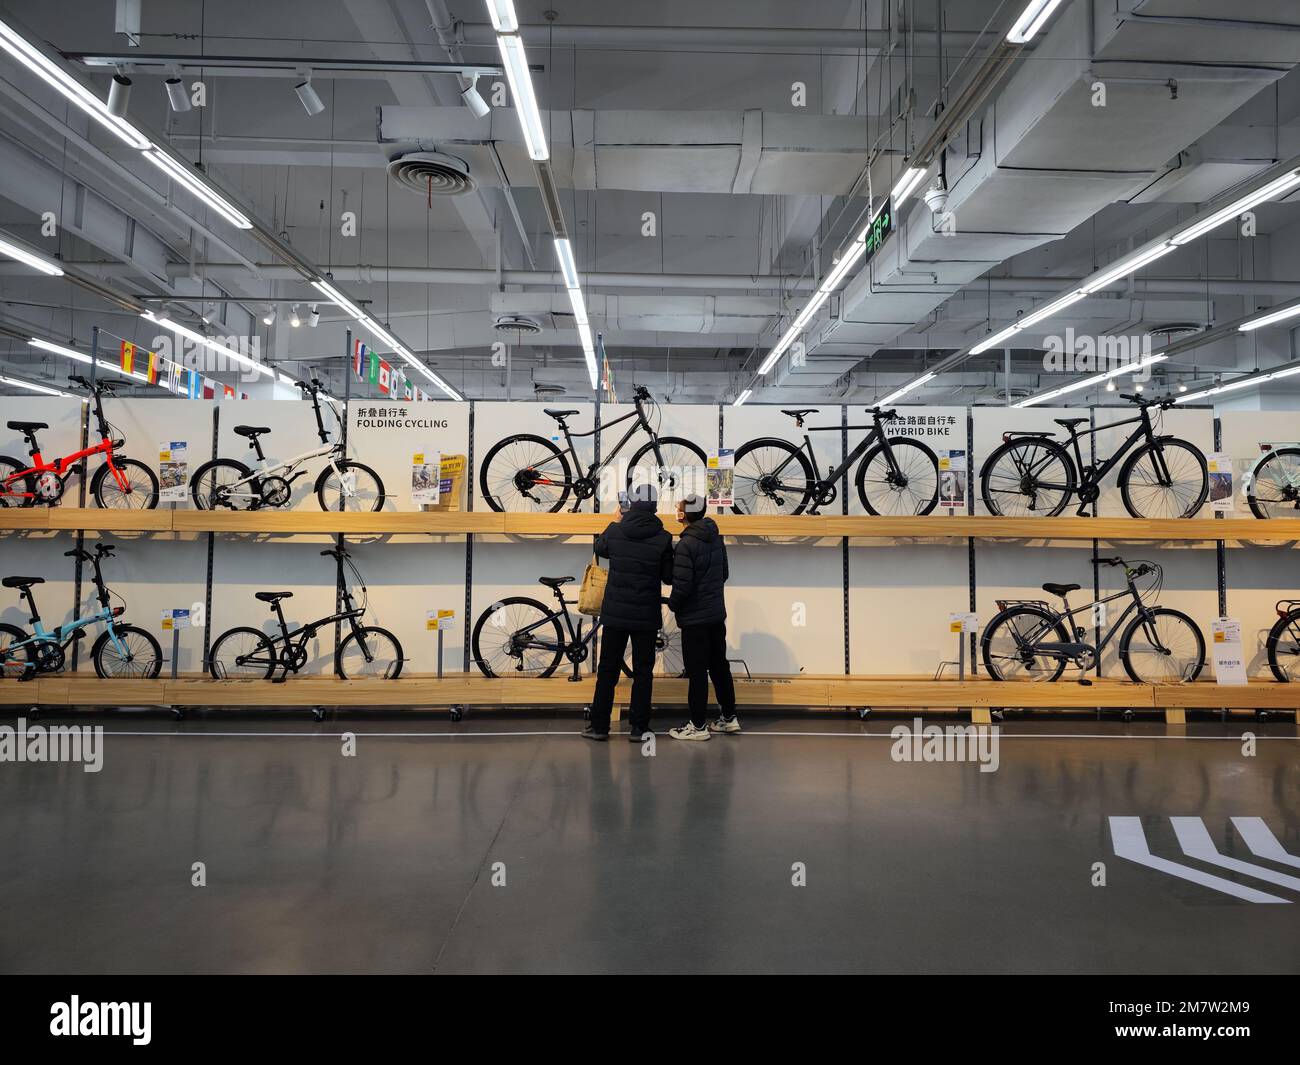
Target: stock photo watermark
[53,743]
[919,742]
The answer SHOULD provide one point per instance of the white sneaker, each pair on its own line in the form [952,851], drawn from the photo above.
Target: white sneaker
[729,725]
[689,732]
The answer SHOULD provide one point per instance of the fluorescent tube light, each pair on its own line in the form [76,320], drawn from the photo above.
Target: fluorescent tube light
[1127,265]
[1055,307]
[848,260]
[1237,208]
[1268,319]
[579,306]
[893,397]
[740,399]
[996,338]
[61,81]
[910,178]
[515,61]
[59,349]
[30,257]
[195,182]
[1088,382]
[1031,20]
[341,300]
[35,388]
[207,342]
[568,268]
[502,14]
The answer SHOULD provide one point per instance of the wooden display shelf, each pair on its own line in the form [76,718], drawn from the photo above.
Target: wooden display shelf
[792,692]
[1194,530]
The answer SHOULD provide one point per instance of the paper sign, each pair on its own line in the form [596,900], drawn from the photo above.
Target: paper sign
[440,620]
[721,476]
[426,477]
[961,621]
[173,471]
[1221,498]
[952,479]
[1229,660]
[175,619]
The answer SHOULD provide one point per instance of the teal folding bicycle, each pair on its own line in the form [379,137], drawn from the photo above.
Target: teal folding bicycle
[122,651]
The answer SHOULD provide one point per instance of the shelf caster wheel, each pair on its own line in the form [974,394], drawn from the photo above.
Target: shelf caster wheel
[864,712]
[586,713]
[1127,715]
[318,712]
[997,713]
[457,713]
[177,713]
[33,713]
[1262,715]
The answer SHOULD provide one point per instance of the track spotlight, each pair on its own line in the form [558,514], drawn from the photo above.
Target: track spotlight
[176,94]
[1182,388]
[314,320]
[269,317]
[294,320]
[119,95]
[1110,386]
[473,99]
[311,102]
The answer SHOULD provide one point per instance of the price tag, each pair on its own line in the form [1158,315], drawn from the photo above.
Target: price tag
[961,621]
[1229,659]
[440,620]
[175,619]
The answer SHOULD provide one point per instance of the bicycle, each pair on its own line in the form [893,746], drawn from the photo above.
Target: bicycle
[897,475]
[529,473]
[1273,485]
[1030,640]
[1165,477]
[1283,641]
[120,651]
[526,638]
[366,651]
[119,484]
[341,485]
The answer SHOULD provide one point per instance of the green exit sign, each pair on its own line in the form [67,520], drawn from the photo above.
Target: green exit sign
[881,226]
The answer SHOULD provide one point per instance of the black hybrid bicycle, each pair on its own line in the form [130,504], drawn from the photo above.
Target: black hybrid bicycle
[529,473]
[898,475]
[1032,475]
[366,651]
[520,637]
[1284,641]
[1030,640]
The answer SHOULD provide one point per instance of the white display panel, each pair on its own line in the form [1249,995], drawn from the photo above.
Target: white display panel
[293,432]
[697,423]
[1194,426]
[496,421]
[65,418]
[750,422]
[386,434]
[785,609]
[989,423]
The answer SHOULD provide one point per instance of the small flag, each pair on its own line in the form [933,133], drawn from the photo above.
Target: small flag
[209,388]
[227,392]
[128,356]
[358,359]
[372,368]
[151,372]
[385,377]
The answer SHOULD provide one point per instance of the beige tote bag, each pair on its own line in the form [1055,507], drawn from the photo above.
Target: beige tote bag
[592,594]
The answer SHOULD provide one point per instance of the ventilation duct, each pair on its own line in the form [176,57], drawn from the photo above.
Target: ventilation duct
[431,174]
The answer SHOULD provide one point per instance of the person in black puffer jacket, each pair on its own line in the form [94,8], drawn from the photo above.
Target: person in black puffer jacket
[700,572]
[640,553]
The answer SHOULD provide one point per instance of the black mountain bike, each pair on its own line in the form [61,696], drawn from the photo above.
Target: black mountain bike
[1031,474]
[897,475]
[341,485]
[1284,641]
[366,651]
[529,473]
[1030,640]
[520,637]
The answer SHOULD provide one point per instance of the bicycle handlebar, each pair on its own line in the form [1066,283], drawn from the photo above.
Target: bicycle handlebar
[885,415]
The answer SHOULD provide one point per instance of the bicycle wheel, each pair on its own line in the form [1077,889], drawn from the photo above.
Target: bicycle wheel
[1141,481]
[242,652]
[772,476]
[1028,477]
[668,649]
[1008,643]
[369,651]
[1165,648]
[683,471]
[525,473]
[353,487]
[16,661]
[15,490]
[1275,487]
[212,486]
[138,490]
[1283,647]
[909,487]
[138,657]
[517,637]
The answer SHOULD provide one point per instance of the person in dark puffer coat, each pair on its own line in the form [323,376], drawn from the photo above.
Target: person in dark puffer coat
[640,553]
[700,572]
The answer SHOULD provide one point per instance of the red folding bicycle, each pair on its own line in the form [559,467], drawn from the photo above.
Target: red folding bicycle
[119,484]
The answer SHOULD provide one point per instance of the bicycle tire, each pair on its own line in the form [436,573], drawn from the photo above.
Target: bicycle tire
[1182,674]
[16,662]
[259,640]
[377,665]
[20,491]
[369,496]
[112,498]
[1259,507]
[478,641]
[989,470]
[1274,644]
[674,490]
[901,445]
[1165,443]
[207,498]
[492,482]
[1004,617]
[146,669]
[776,443]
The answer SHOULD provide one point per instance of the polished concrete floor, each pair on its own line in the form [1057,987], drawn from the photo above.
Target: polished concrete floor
[618,862]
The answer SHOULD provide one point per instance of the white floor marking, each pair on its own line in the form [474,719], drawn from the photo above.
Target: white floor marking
[1130,841]
[1195,840]
[1262,842]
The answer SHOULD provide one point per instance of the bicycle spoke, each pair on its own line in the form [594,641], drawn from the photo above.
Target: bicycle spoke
[514,644]
[514,458]
[1277,483]
[679,475]
[135,496]
[1027,479]
[1178,498]
[1164,650]
[758,489]
[907,493]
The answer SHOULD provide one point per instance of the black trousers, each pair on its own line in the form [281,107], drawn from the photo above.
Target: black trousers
[704,654]
[613,644]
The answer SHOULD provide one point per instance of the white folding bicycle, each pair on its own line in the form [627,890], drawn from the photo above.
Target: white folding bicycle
[342,485]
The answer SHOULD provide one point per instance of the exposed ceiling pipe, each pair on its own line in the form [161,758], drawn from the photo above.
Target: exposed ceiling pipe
[1180,285]
[786,38]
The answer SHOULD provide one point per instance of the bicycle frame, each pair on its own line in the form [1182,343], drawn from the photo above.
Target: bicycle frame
[642,422]
[875,433]
[576,639]
[1069,613]
[287,469]
[1091,475]
[65,634]
[62,466]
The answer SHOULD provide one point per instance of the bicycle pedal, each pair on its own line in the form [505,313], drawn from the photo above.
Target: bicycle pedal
[1085,682]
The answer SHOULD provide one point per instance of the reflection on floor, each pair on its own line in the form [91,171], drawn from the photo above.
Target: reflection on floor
[510,844]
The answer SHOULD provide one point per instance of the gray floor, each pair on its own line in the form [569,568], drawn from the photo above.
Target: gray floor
[619,862]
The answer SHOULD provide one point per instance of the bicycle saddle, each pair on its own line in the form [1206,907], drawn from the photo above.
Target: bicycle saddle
[27,427]
[1060,589]
[22,582]
[1068,422]
[558,413]
[800,413]
[553,582]
[251,431]
[272,597]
